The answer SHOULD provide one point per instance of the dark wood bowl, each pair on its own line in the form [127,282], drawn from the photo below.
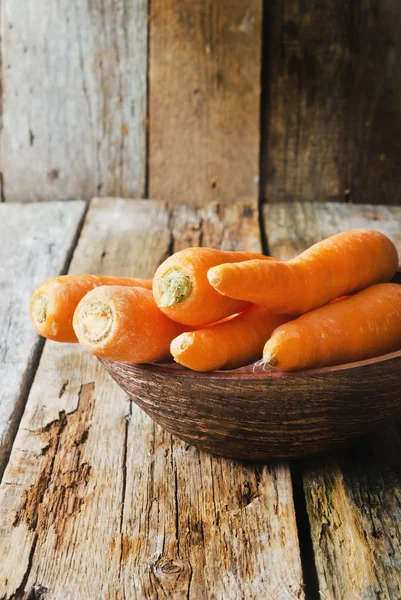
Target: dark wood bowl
[267,414]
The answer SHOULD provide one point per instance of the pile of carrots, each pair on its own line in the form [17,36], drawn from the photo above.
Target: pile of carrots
[212,309]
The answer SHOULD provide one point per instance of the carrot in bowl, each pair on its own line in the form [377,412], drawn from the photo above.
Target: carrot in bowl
[340,265]
[54,302]
[233,343]
[362,326]
[124,324]
[183,293]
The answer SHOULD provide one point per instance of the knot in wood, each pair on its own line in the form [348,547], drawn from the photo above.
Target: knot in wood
[169,567]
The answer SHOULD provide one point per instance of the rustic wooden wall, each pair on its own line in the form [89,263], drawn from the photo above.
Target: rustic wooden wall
[73,99]
[332,126]
[186,100]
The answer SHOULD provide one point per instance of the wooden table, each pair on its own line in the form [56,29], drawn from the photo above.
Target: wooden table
[97,501]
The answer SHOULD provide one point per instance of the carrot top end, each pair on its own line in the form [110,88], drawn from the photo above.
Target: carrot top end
[95,320]
[175,287]
[39,309]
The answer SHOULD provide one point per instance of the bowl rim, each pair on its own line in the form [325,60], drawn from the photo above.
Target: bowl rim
[249,372]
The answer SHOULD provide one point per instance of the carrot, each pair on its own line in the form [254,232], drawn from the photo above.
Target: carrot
[53,303]
[182,291]
[124,324]
[359,327]
[233,343]
[341,265]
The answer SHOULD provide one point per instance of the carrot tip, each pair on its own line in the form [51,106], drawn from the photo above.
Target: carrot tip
[95,321]
[213,278]
[257,364]
[39,309]
[180,344]
[175,287]
[269,359]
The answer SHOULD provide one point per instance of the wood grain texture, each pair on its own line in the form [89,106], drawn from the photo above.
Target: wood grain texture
[353,503]
[205,61]
[73,99]
[36,244]
[98,501]
[374,102]
[332,109]
[353,500]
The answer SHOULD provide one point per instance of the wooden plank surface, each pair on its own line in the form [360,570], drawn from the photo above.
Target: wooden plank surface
[73,98]
[305,152]
[374,102]
[333,107]
[97,501]
[352,499]
[204,85]
[36,243]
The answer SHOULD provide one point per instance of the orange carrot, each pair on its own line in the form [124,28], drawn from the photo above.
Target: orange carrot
[124,324]
[338,266]
[183,293]
[362,326]
[233,343]
[53,303]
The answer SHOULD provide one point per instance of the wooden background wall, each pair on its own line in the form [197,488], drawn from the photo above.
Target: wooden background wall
[195,100]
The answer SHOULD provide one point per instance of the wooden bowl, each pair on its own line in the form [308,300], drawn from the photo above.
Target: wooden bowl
[267,414]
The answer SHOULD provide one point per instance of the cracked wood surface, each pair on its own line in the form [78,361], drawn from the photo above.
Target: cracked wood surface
[36,243]
[72,99]
[97,501]
[204,100]
[353,499]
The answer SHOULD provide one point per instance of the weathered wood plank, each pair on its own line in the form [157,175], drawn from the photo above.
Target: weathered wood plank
[293,227]
[333,107]
[205,60]
[374,102]
[306,140]
[97,501]
[354,509]
[74,99]
[353,499]
[36,244]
